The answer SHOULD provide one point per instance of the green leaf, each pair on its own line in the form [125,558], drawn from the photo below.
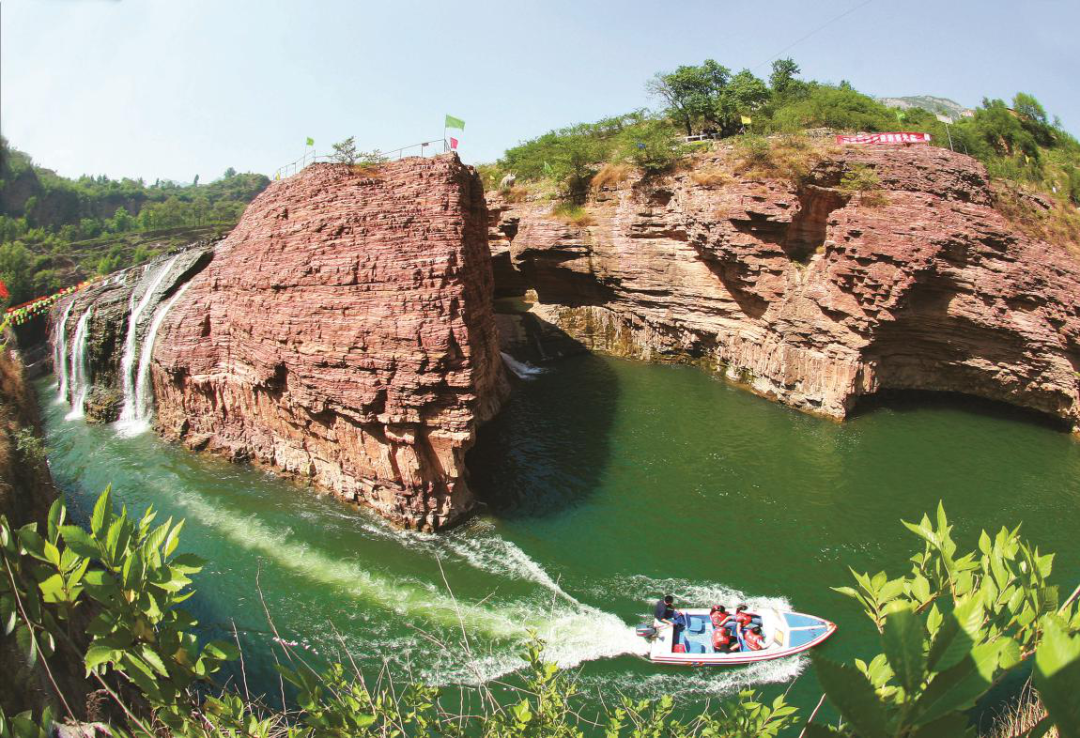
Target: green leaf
[954,725]
[904,641]
[102,516]
[55,519]
[52,589]
[79,541]
[1057,677]
[151,657]
[173,539]
[957,688]
[853,696]
[24,638]
[97,655]
[32,542]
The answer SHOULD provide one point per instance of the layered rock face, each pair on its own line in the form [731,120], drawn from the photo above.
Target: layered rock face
[344,335]
[811,295]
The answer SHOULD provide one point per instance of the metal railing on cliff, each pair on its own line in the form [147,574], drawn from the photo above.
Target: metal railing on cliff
[424,148]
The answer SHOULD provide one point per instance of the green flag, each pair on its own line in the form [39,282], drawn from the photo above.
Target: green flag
[452,122]
[311,142]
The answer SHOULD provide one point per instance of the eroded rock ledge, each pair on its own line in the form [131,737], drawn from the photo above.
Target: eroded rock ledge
[344,335]
[810,295]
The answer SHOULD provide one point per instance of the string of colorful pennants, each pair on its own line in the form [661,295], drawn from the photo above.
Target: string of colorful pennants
[19,314]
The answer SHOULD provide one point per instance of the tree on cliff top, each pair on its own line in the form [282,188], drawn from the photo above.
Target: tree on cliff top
[345,151]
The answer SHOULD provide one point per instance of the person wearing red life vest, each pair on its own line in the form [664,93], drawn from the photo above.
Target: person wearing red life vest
[720,616]
[743,618]
[723,641]
[753,638]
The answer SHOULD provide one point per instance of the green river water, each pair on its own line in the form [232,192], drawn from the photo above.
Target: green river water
[608,482]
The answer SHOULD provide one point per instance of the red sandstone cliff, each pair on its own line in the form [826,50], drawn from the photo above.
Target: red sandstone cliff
[344,335]
[811,295]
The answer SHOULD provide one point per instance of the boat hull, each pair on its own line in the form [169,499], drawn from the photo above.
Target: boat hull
[786,633]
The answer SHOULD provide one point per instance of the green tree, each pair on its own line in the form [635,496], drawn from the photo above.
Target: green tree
[743,95]
[345,151]
[782,79]
[691,92]
[16,269]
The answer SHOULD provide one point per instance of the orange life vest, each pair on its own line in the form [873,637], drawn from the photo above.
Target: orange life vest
[721,639]
[753,641]
[743,618]
[719,618]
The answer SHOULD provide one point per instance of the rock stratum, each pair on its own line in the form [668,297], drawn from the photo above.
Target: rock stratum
[809,294]
[344,335]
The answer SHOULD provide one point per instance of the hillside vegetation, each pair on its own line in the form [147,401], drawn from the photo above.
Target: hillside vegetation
[56,231]
[1024,149]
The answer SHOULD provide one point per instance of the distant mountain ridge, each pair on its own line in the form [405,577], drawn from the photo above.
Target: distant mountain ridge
[936,105]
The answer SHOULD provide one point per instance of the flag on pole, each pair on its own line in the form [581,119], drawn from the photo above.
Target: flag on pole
[311,142]
[945,119]
[453,143]
[452,122]
[4,294]
[746,120]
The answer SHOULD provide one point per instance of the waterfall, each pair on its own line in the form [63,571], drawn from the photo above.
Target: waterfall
[60,358]
[79,372]
[143,394]
[522,369]
[127,363]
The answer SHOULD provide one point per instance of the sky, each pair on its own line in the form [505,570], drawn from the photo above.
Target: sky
[176,88]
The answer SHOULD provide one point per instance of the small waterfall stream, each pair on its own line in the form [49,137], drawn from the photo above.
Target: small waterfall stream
[79,371]
[60,358]
[144,398]
[129,410]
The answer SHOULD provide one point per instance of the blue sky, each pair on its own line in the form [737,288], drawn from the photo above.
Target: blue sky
[175,88]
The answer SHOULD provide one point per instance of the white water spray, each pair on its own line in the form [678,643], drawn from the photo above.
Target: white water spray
[522,369]
[127,363]
[144,398]
[60,357]
[79,372]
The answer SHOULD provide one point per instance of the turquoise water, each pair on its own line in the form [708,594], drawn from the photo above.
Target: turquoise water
[607,482]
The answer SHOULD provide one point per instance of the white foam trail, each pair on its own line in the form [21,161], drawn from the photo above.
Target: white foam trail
[481,549]
[80,371]
[127,364]
[522,369]
[60,357]
[575,633]
[685,683]
[143,395]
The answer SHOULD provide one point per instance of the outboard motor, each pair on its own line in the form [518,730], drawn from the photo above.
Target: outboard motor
[646,631]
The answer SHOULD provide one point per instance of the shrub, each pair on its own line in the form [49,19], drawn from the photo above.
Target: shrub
[710,177]
[610,174]
[572,214]
[654,147]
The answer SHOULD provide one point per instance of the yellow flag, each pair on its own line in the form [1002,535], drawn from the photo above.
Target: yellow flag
[746,120]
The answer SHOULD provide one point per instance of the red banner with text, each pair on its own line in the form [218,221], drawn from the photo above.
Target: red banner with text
[873,139]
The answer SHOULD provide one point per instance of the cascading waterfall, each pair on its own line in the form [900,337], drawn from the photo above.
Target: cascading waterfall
[79,371]
[127,363]
[60,357]
[143,395]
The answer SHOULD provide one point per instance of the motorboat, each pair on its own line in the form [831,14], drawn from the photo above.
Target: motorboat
[690,639]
